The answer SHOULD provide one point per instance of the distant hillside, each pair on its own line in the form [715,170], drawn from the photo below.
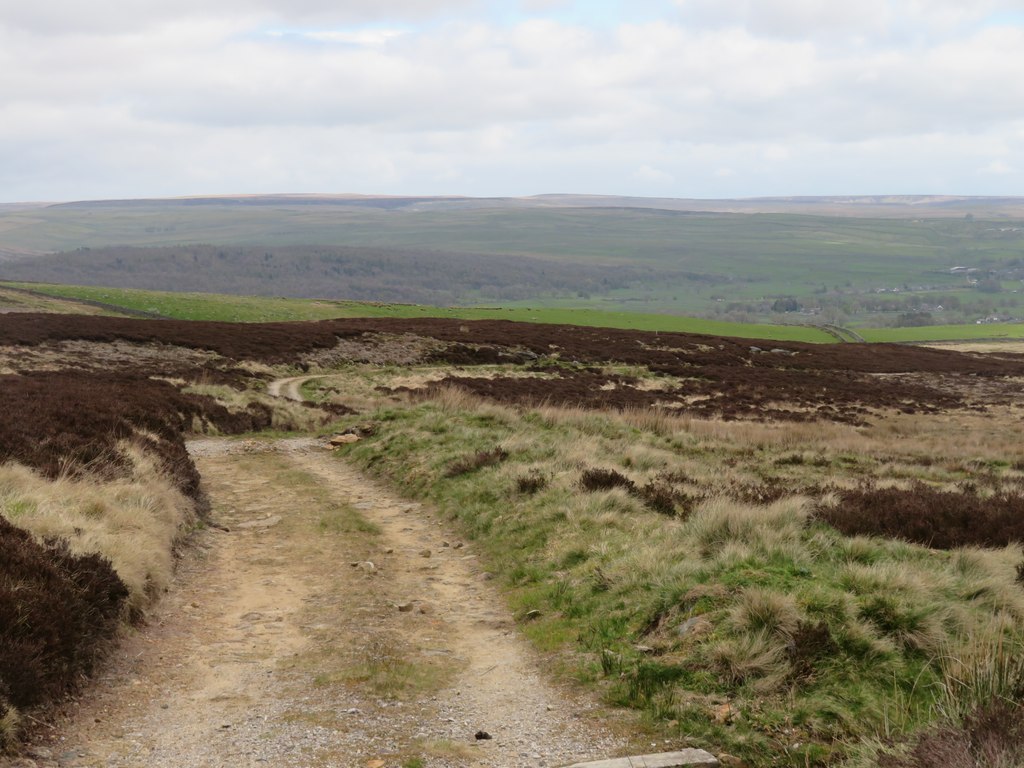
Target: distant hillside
[882,206]
[366,274]
[880,261]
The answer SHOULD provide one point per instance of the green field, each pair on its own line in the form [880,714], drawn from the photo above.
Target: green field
[250,309]
[255,309]
[985,332]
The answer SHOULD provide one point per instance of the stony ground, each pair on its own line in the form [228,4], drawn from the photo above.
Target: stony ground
[330,624]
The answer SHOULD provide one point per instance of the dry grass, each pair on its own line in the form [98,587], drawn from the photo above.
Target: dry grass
[134,522]
[10,726]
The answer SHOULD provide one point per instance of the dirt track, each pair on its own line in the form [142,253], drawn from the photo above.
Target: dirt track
[274,649]
[290,388]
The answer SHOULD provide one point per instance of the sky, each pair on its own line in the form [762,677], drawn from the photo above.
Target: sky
[666,98]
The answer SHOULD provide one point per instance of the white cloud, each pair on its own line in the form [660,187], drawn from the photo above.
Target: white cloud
[647,174]
[863,21]
[367,36]
[998,168]
[104,16]
[179,99]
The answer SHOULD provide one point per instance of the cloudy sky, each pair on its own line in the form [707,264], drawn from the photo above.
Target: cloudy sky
[683,98]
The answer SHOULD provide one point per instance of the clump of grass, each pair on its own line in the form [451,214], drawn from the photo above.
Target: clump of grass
[749,656]
[981,706]
[10,725]
[987,670]
[768,611]
[478,460]
[385,667]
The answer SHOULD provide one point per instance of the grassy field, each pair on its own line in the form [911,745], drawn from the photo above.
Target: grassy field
[248,309]
[251,309]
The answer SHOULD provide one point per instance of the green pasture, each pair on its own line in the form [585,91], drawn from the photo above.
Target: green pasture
[254,309]
[983,332]
[248,309]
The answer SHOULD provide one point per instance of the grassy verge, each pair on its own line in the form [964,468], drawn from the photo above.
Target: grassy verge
[677,566]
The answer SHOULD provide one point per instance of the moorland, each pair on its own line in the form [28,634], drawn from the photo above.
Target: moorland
[785,553]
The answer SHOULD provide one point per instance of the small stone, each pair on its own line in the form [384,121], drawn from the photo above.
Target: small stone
[723,714]
[425,609]
[338,440]
[731,761]
[367,567]
[531,615]
[425,553]
[389,551]
[695,627]
[459,545]
[406,607]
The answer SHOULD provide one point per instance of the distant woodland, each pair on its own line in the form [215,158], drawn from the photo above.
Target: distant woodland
[359,273]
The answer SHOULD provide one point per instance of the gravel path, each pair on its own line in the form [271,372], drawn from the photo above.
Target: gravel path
[332,624]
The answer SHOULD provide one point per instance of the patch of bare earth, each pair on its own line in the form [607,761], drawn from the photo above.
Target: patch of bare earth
[331,624]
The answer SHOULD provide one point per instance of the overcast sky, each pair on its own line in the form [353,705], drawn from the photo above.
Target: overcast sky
[682,98]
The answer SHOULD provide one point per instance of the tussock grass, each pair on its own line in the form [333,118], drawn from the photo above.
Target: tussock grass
[10,725]
[135,522]
[817,639]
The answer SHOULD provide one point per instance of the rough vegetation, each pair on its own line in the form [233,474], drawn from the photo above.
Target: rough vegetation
[771,552]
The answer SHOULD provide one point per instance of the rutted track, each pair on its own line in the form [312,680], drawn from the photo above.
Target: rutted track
[255,656]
